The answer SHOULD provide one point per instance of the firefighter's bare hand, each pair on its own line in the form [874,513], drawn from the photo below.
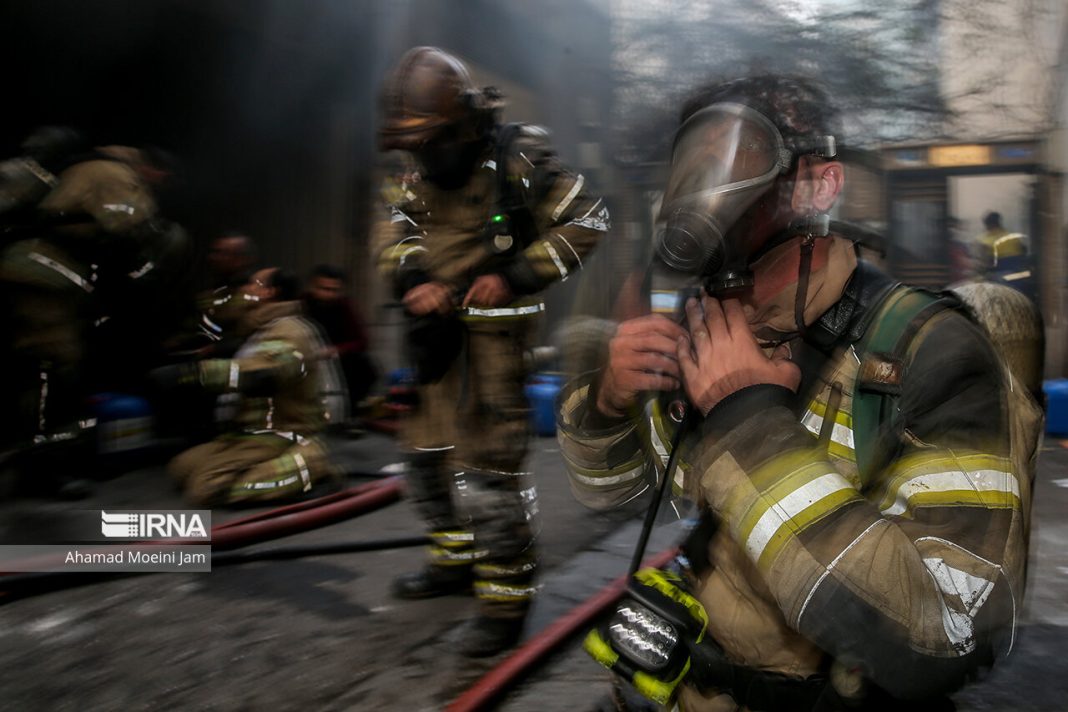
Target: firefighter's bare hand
[721,356]
[489,290]
[428,298]
[641,357]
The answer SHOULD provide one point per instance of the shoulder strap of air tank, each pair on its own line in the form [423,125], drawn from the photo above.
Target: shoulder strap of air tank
[881,352]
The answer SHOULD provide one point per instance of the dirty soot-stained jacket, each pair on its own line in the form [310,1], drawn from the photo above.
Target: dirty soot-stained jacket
[276,372]
[435,234]
[911,571]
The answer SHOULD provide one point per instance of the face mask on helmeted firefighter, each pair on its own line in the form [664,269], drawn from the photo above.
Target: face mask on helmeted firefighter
[726,160]
[432,109]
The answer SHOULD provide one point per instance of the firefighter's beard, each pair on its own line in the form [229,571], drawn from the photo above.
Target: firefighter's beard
[769,307]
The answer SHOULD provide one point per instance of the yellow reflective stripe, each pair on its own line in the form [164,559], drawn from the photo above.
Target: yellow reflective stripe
[501,312]
[842,441]
[963,498]
[996,489]
[499,570]
[922,463]
[560,266]
[453,539]
[772,520]
[541,260]
[657,437]
[445,557]
[490,591]
[626,472]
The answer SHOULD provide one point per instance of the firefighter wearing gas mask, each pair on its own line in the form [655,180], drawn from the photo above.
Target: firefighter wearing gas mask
[484,219]
[860,456]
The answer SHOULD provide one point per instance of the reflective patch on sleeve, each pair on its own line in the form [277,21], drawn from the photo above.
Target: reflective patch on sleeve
[397,215]
[556,260]
[563,239]
[971,480]
[566,202]
[67,272]
[773,519]
[971,591]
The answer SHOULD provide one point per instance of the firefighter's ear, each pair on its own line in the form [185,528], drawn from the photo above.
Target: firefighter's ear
[818,185]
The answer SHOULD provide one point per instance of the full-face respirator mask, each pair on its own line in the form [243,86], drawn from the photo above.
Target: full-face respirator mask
[724,158]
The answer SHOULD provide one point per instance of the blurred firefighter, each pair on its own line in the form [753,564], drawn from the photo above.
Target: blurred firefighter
[92,235]
[997,244]
[223,304]
[1004,256]
[278,377]
[325,303]
[486,221]
[861,456]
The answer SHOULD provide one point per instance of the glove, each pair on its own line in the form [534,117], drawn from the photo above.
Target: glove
[647,641]
[179,375]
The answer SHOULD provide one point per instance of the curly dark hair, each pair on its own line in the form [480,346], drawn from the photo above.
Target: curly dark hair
[795,104]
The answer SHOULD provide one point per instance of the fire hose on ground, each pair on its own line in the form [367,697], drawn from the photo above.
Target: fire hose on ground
[491,686]
[304,516]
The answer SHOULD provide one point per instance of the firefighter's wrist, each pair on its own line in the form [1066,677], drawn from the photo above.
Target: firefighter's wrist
[743,404]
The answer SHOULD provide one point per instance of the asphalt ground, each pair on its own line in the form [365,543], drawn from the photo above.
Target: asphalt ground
[323,633]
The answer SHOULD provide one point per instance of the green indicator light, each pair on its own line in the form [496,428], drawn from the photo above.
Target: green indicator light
[498,218]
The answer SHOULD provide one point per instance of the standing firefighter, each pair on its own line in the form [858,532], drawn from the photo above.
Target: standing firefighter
[861,456]
[490,219]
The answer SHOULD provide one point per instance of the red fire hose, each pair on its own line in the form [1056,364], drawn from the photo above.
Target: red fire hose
[498,680]
[301,517]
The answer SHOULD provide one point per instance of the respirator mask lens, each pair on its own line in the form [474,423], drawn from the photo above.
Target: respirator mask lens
[724,158]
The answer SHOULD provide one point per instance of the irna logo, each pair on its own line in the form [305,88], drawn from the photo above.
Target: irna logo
[152,525]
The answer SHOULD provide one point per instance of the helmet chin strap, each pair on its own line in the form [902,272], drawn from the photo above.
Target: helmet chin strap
[811,227]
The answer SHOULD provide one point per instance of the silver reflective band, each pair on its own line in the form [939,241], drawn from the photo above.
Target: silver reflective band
[210,324]
[144,269]
[1017,275]
[61,269]
[304,474]
[40,172]
[569,197]
[287,434]
[556,261]
[119,208]
[513,311]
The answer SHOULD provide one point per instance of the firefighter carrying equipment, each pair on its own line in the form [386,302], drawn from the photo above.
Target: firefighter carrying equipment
[647,640]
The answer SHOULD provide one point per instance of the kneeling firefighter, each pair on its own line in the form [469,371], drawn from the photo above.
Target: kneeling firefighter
[486,220]
[861,455]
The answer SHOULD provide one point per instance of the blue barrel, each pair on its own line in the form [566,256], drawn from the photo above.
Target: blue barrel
[124,423]
[1056,406]
[401,377]
[541,390]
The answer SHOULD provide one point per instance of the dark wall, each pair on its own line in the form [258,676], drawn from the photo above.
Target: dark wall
[252,97]
[271,105]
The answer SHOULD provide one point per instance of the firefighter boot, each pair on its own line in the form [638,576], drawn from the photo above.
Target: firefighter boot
[433,581]
[486,636]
